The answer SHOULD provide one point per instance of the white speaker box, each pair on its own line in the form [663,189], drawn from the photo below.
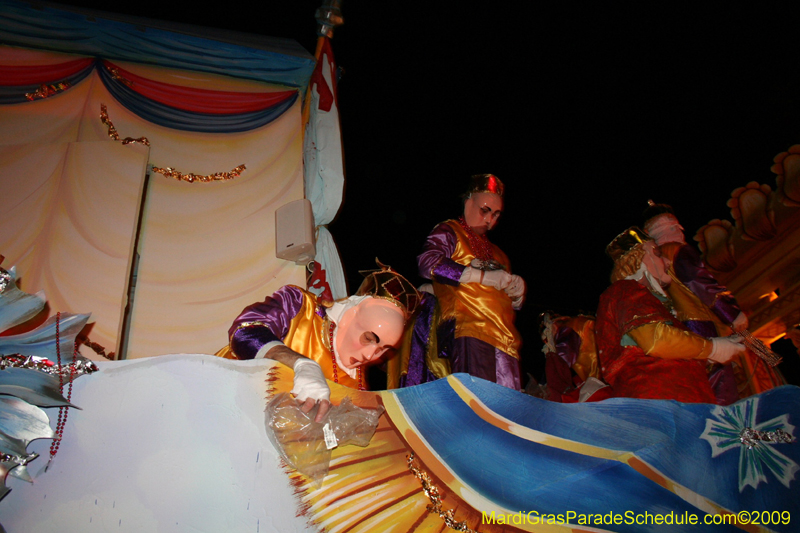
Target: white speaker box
[294,232]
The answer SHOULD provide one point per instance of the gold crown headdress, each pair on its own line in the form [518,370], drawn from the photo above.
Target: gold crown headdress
[387,284]
[625,242]
[485,183]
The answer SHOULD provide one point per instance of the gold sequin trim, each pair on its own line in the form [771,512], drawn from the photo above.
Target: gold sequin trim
[115,75]
[169,172]
[112,131]
[433,494]
[45,90]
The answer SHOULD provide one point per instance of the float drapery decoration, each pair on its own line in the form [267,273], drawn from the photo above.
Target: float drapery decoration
[273,61]
[21,83]
[194,109]
[490,459]
[168,172]
[324,164]
[168,105]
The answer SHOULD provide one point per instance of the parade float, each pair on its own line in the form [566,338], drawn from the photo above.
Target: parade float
[758,255]
[127,168]
[181,443]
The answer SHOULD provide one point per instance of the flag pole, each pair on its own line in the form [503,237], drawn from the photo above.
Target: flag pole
[328,16]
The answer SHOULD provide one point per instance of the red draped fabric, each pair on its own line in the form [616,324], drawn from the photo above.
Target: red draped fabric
[16,75]
[326,92]
[197,100]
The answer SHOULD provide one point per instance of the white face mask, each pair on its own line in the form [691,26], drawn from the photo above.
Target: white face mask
[482,211]
[364,332]
[665,228]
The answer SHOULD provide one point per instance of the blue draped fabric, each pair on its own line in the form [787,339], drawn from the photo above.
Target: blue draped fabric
[678,441]
[277,61]
[171,117]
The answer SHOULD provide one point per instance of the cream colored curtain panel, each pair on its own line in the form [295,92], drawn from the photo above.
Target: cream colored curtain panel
[68,223]
[71,202]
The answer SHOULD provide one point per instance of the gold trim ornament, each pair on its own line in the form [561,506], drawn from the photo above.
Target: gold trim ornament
[112,131]
[387,284]
[627,252]
[45,90]
[169,172]
[116,76]
[434,495]
[625,242]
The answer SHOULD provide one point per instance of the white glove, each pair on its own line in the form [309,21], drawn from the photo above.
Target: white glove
[740,322]
[470,275]
[499,279]
[516,291]
[309,381]
[726,348]
[516,288]
[426,287]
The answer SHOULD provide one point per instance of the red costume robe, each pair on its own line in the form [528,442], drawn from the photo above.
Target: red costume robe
[632,322]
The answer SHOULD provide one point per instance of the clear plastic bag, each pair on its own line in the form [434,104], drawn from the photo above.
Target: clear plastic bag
[306,445]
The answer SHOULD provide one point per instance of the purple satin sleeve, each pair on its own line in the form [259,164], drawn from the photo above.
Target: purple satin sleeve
[417,368]
[270,321]
[690,269]
[704,328]
[434,262]
[568,344]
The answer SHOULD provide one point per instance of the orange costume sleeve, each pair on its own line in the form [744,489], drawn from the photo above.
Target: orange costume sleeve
[659,339]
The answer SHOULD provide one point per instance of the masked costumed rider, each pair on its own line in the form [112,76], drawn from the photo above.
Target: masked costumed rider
[477,293]
[704,305]
[323,340]
[644,350]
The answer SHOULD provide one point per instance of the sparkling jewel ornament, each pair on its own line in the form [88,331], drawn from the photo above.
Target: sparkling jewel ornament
[62,411]
[448,516]
[5,279]
[191,178]
[45,90]
[112,131]
[333,359]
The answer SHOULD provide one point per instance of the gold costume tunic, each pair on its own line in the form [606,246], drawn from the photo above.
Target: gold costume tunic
[481,312]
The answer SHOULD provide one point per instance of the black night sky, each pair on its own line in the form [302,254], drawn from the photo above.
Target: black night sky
[583,112]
